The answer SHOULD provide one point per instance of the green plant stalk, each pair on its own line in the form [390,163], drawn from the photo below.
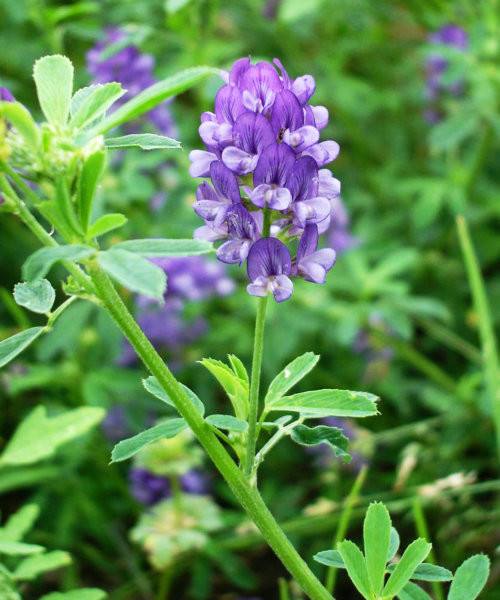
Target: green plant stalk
[248,497]
[253,413]
[491,369]
[345,518]
[423,532]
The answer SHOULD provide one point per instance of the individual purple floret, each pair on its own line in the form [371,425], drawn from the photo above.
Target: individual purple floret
[6,95]
[132,69]
[264,158]
[437,66]
[148,488]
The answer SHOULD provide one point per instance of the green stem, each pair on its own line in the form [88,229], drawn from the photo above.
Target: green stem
[258,351]
[164,584]
[345,518]
[490,363]
[423,531]
[248,497]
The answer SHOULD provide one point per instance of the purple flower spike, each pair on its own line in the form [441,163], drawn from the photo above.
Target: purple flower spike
[6,95]
[313,264]
[269,265]
[242,230]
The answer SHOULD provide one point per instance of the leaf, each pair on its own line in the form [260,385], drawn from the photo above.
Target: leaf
[470,578]
[37,296]
[236,389]
[312,436]
[428,572]
[376,539]
[291,374]
[394,542]
[329,403]
[411,591]
[227,422]
[151,248]
[54,85]
[134,272]
[238,367]
[83,594]
[13,346]
[92,170]
[21,119]
[152,385]
[40,262]
[39,436]
[105,224]
[33,566]
[355,564]
[89,103]
[19,549]
[145,141]
[19,523]
[330,558]
[127,448]
[414,554]
[453,131]
[152,96]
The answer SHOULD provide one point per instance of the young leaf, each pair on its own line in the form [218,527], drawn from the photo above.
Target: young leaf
[41,261]
[145,141]
[83,594]
[105,224]
[329,403]
[134,272]
[291,374]
[152,96]
[376,538]
[33,566]
[89,103]
[127,448]
[39,436]
[394,542]
[312,436]
[355,564]
[14,345]
[238,367]
[92,170]
[19,549]
[427,572]
[19,523]
[37,296]
[330,558]
[227,423]
[411,591]
[151,248]
[54,85]
[235,388]
[414,554]
[152,385]
[470,578]
[21,119]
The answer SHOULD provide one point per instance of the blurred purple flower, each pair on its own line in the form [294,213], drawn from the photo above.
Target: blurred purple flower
[148,488]
[115,425]
[339,235]
[6,95]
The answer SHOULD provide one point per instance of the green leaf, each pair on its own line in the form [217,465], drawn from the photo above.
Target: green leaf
[355,564]
[89,103]
[151,248]
[105,224]
[394,542]
[19,523]
[152,96]
[19,549]
[238,367]
[13,346]
[453,130]
[330,558]
[54,85]
[92,169]
[470,578]
[152,385]
[376,539]
[41,261]
[39,436]
[37,296]
[236,388]
[312,436]
[411,591]
[21,119]
[83,594]
[134,272]
[227,423]
[145,141]
[33,566]
[329,403]
[291,375]
[127,448]
[427,572]
[412,557]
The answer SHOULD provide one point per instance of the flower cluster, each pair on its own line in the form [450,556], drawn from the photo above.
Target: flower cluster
[437,66]
[264,159]
[149,488]
[111,60]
